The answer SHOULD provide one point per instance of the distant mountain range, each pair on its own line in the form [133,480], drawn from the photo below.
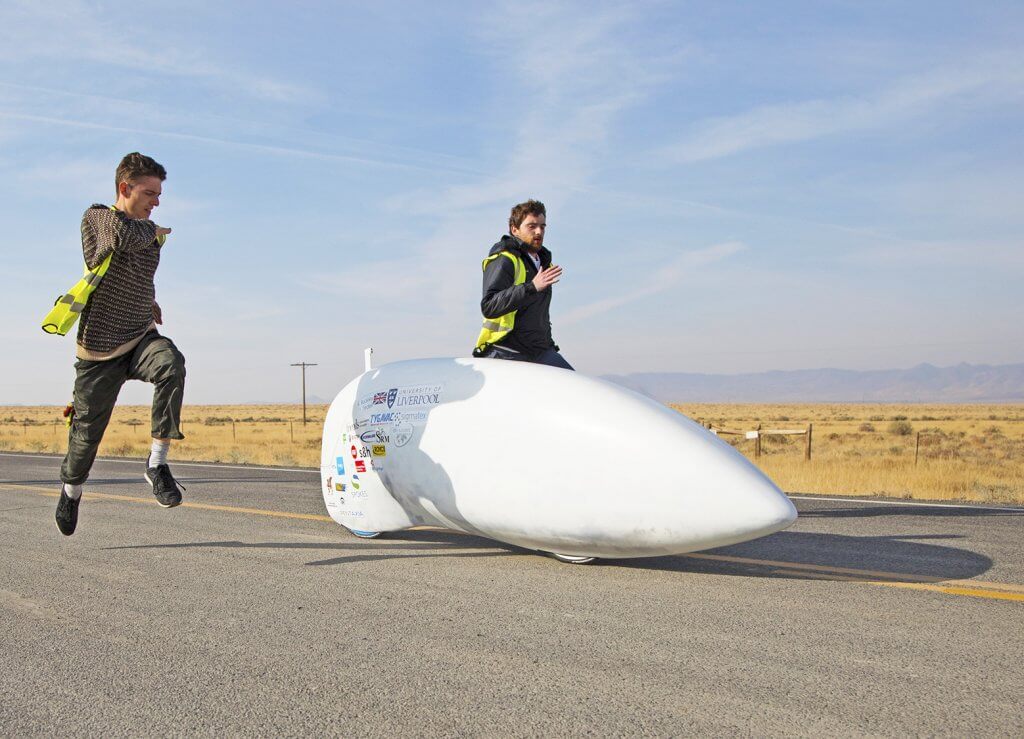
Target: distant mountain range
[963,383]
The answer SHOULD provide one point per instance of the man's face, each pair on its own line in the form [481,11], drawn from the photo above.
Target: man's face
[140,196]
[531,231]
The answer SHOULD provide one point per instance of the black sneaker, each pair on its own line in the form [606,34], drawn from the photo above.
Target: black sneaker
[67,513]
[165,487]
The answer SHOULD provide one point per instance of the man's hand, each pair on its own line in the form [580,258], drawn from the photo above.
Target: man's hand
[158,315]
[161,231]
[547,277]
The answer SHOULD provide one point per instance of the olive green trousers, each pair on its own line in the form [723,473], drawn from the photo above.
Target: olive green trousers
[157,360]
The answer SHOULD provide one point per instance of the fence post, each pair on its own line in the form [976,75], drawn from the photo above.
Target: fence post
[757,443]
[917,447]
[233,437]
[807,448]
[291,427]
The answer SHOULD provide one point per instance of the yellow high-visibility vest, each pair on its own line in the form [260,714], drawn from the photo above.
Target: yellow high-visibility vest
[497,328]
[65,312]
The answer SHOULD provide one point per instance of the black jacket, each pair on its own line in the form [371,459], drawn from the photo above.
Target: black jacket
[531,334]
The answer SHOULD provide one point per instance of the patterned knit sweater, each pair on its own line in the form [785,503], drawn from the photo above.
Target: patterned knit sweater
[121,309]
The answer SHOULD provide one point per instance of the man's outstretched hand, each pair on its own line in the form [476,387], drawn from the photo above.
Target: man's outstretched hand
[161,231]
[547,277]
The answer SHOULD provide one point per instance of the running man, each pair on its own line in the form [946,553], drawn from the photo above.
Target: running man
[517,288]
[118,339]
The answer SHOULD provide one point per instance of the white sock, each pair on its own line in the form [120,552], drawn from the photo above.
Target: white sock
[158,453]
[73,491]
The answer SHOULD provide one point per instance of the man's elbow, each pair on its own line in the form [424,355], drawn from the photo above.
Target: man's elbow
[488,310]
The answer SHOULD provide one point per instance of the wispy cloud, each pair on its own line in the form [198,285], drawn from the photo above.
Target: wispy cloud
[998,77]
[680,269]
[250,146]
[76,31]
[568,81]
[569,78]
[981,253]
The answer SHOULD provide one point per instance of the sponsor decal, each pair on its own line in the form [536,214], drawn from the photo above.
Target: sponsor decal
[360,466]
[393,417]
[359,452]
[355,482]
[401,433]
[414,399]
[359,495]
[340,487]
[408,396]
[327,483]
[379,450]
[374,435]
[341,465]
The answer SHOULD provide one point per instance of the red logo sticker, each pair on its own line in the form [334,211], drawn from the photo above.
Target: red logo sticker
[354,453]
[360,465]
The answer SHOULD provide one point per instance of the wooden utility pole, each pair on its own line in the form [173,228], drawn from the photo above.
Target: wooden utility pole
[807,449]
[303,365]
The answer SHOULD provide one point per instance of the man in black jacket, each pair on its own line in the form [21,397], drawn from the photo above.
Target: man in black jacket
[518,279]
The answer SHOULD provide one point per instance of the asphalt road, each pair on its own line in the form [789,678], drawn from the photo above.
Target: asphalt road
[247,611]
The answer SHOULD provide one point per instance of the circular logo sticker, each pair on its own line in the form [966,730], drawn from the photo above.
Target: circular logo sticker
[401,433]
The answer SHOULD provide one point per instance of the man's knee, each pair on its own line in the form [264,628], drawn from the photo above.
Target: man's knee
[169,365]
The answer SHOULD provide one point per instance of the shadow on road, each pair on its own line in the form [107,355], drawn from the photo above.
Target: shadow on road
[788,555]
[398,545]
[832,557]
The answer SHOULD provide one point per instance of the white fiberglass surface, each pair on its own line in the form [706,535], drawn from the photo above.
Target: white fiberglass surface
[540,457]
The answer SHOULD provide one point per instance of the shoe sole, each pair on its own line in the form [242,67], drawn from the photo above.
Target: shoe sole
[62,530]
[145,476]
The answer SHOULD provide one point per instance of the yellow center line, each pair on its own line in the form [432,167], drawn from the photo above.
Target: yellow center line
[972,588]
[187,504]
[815,568]
[833,572]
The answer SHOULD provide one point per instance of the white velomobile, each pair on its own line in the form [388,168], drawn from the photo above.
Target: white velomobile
[539,457]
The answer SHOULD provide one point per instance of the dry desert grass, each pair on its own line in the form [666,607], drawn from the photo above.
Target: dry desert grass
[967,452]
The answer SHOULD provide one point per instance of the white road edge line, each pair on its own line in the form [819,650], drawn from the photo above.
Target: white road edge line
[312,470]
[870,501]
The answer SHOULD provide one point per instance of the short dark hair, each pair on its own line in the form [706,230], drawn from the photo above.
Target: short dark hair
[136,165]
[529,208]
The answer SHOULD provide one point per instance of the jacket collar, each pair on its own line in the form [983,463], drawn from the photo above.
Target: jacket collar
[511,243]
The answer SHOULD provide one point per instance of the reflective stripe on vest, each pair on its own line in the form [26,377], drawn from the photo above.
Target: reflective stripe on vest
[65,312]
[495,329]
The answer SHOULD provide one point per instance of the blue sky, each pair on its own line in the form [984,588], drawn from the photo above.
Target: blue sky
[731,187]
